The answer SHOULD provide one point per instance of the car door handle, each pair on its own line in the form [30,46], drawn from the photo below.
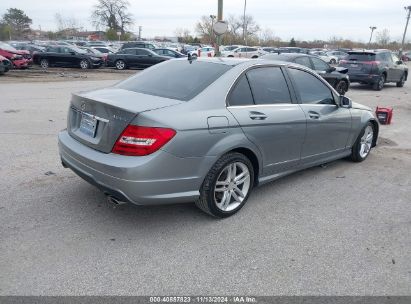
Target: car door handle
[313,115]
[257,115]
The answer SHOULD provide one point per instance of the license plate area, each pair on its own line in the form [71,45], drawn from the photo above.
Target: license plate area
[88,124]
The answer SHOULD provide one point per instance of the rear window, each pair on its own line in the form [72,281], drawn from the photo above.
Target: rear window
[361,56]
[175,79]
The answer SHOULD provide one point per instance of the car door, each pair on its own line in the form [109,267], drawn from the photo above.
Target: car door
[328,124]
[130,57]
[388,64]
[145,58]
[63,58]
[397,69]
[52,53]
[269,116]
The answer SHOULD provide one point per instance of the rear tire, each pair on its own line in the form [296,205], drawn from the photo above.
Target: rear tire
[120,64]
[341,87]
[401,83]
[44,63]
[227,186]
[363,145]
[379,85]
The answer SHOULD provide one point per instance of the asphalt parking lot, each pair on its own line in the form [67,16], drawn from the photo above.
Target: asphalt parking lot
[340,229]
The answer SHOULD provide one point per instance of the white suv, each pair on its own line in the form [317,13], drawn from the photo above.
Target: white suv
[245,52]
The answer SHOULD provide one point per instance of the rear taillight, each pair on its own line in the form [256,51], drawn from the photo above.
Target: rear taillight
[371,62]
[140,141]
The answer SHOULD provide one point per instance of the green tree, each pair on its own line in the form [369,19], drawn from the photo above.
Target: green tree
[292,42]
[18,22]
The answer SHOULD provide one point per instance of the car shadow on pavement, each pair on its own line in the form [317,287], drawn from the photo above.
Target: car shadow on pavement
[134,217]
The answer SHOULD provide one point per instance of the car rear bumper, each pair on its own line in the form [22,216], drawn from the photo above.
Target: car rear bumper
[364,78]
[159,178]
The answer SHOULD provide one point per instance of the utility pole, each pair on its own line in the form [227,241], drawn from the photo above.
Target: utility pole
[372,28]
[407,8]
[219,18]
[245,24]
[140,28]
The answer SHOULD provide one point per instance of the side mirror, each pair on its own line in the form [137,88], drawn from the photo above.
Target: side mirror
[345,102]
[72,53]
[331,69]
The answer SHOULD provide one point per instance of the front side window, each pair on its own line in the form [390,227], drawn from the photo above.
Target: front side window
[311,89]
[268,86]
[129,52]
[320,65]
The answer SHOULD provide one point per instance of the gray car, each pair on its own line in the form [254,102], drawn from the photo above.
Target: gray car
[211,135]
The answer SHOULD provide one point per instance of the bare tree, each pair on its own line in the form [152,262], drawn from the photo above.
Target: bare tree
[383,37]
[112,14]
[204,28]
[64,23]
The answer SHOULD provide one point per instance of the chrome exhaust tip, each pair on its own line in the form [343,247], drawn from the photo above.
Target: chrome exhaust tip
[113,200]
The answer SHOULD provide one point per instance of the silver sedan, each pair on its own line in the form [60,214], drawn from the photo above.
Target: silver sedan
[209,131]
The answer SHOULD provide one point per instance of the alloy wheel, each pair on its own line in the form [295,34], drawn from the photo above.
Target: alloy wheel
[366,141]
[120,65]
[232,186]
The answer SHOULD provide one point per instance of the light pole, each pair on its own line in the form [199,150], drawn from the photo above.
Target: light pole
[212,27]
[407,8]
[372,28]
[245,24]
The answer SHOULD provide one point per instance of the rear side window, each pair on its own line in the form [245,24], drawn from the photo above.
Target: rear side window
[142,52]
[361,57]
[241,94]
[175,79]
[268,86]
[311,89]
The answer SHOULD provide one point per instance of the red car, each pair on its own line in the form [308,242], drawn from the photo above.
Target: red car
[19,58]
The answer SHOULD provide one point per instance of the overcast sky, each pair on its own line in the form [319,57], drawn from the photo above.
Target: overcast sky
[304,20]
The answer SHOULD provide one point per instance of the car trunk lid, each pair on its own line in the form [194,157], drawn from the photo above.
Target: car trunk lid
[97,118]
[359,62]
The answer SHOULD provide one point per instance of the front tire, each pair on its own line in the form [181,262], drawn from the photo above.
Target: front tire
[120,64]
[84,64]
[363,144]
[227,186]
[401,83]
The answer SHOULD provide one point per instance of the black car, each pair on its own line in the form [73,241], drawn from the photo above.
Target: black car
[169,53]
[336,77]
[138,44]
[375,68]
[65,56]
[134,57]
